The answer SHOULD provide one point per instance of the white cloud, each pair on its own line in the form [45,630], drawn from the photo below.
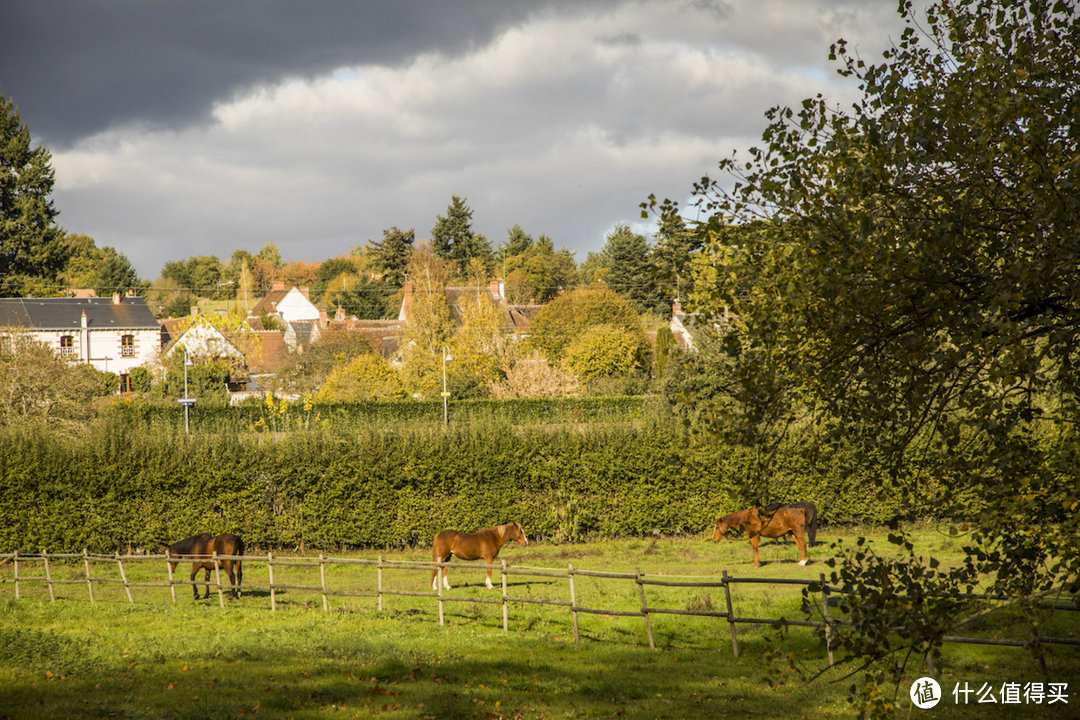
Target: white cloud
[562,124]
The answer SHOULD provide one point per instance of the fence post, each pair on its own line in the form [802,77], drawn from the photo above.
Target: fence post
[322,581]
[645,609]
[439,588]
[270,570]
[730,615]
[48,575]
[573,601]
[217,578]
[89,580]
[123,577]
[825,615]
[379,580]
[17,594]
[172,580]
[506,616]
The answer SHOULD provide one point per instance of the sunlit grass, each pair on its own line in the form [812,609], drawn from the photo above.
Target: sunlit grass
[193,658]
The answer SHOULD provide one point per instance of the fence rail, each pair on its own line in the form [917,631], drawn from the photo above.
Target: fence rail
[724,582]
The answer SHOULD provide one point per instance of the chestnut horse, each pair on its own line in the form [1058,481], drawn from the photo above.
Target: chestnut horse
[484,544]
[785,520]
[809,510]
[200,550]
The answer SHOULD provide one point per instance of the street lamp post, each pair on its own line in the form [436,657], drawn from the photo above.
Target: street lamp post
[445,394]
[186,401]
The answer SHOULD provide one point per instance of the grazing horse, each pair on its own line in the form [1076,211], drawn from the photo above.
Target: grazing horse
[484,544]
[784,520]
[200,550]
[809,511]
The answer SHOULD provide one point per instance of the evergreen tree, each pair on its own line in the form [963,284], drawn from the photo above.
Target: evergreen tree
[626,257]
[453,238]
[390,256]
[114,274]
[517,243]
[675,245]
[31,245]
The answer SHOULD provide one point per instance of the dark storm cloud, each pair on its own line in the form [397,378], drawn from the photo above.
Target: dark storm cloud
[76,68]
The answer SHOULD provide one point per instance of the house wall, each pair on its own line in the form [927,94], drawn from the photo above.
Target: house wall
[105,347]
[294,307]
[204,339]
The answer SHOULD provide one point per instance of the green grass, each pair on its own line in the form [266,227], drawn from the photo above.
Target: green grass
[194,659]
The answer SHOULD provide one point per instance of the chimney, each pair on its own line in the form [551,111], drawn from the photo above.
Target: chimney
[676,309]
[278,285]
[116,298]
[495,289]
[84,338]
[324,319]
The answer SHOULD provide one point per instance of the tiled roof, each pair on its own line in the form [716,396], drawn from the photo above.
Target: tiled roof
[131,313]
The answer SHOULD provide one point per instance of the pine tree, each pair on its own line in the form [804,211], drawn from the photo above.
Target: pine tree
[31,245]
[390,256]
[453,238]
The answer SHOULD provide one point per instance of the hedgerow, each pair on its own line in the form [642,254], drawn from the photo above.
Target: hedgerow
[128,483]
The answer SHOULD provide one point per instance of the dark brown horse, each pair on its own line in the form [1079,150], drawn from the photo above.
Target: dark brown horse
[484,544]
[785,520]
[200,550]
[809,511]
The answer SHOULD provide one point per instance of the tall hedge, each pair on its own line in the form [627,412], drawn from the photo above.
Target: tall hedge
[118,484]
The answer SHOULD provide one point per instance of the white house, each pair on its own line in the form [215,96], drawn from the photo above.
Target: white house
[291,305]
[113,334]
[202,339]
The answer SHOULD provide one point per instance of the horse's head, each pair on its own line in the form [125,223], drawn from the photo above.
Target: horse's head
[169,555]
[517,533]
[727,522]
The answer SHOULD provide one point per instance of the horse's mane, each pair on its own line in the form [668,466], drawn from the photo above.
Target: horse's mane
[736,519]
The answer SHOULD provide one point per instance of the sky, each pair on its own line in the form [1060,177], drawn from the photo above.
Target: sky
[197,127]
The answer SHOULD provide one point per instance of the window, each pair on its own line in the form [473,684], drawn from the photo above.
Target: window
[67,345]
[127,346]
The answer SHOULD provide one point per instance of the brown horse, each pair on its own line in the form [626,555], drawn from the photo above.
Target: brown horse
[484,544]
[785,520]
[200,550]
[809,511]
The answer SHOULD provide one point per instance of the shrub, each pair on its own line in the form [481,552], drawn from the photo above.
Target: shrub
[365,377]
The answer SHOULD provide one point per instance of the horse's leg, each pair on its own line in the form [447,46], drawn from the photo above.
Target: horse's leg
[232,577]
[754,540]
[194,573]
[206,579]
[239,576]
[488,580]
[446,574]
[801,543]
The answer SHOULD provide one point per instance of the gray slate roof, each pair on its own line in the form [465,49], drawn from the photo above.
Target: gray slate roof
[66,313]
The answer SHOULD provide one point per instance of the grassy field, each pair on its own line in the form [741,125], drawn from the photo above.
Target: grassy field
[194,659]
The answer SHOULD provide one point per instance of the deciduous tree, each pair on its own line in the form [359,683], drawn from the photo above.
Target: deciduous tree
[917,278]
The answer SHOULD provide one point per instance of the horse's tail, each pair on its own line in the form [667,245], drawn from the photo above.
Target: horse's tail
[811,525]
[239,563]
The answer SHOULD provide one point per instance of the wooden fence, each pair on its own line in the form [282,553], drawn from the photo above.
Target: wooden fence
[723,582]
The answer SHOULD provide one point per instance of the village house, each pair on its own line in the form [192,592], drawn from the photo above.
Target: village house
[112,334]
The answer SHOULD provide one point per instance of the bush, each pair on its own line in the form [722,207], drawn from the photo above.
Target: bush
[131,480]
